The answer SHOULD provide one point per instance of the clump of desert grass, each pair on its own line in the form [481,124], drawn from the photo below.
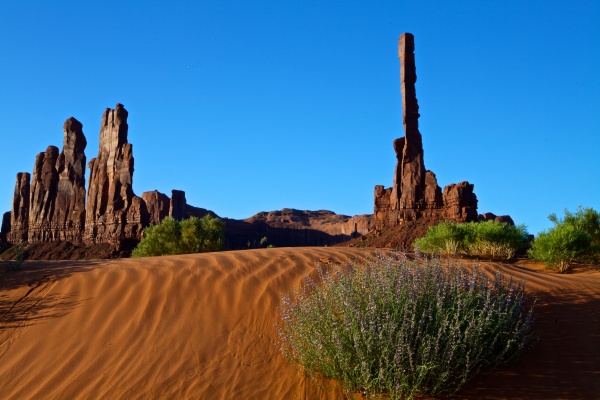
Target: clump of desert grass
[395,328]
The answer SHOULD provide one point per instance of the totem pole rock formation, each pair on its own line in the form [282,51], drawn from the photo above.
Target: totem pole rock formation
[415,193]
[113,211]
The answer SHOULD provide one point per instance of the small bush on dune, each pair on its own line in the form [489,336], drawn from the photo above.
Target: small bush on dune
[495,240]
[397,328]
[576,237]
[444,238]
[487,239]
[193,235]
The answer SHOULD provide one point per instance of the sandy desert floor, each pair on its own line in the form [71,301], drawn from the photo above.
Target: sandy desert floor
[202,326]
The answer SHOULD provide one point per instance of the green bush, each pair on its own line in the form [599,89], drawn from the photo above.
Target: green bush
[576,237]
[193,235]
[444,238]
[487,239]
[396,328]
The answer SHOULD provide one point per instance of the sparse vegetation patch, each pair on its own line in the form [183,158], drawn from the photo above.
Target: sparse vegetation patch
[575,237]
[488,239]
[193,235]
[396,328]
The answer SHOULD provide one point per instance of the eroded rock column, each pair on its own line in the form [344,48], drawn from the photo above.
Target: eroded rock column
[113,212]
[69,210]
[44,186]
[19,213]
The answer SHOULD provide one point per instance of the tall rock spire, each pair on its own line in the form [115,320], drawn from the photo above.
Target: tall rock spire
[69,209]
[415,193]
[44,185]
[411,185]
[113,212]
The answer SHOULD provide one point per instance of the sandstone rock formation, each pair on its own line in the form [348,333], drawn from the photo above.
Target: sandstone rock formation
[177,209]
[492,217]
[5,223]
[44,184]
[19,213]
[113,212]
[69,209]
[415,193]
[157,204]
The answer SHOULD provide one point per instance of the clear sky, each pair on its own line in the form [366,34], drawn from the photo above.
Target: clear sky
[255,106]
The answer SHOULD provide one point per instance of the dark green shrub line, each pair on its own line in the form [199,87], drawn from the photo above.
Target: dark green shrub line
[487,239]
[193,235]
[399,328]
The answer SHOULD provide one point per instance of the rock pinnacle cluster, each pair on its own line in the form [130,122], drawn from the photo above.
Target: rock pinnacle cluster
[52,204]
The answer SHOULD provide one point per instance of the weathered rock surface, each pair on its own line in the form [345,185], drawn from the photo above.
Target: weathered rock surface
[415,194]
[157,204]
[460,202]
[113,212]
[44,186]
[19,213]
[177,208]
[68,220]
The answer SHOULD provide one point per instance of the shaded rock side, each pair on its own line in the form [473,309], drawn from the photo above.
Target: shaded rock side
[113,212]
[460,203]
[68,220]
[177,208]
[5,223]
[19,213]
[44,186]
[57,208]
[157,204]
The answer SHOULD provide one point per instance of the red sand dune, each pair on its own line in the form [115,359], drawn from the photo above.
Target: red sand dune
[202,327]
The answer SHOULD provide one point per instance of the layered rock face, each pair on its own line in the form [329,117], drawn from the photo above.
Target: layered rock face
[157,204]
[69,210]
[415,193]
[113,211]
[44,185]
[57,209]
[19,213]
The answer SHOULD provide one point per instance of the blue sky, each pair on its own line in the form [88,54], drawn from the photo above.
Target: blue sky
[256,106]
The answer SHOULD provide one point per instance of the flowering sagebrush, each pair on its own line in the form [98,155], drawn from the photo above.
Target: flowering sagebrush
[401,328]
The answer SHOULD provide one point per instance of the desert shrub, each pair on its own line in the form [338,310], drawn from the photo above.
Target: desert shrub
[193,235]
[398,328]
[482,239]
[444,238]
[587,220]
[491,239]
[576,237]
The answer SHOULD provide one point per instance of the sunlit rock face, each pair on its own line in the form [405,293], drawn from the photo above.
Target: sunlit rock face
[113,212]
[415,193]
